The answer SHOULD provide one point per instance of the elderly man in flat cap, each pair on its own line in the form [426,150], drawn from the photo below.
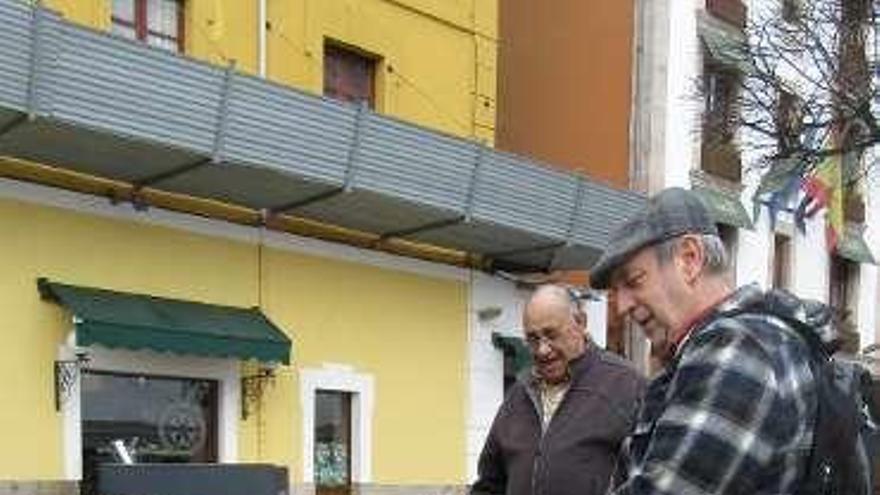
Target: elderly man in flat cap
[734,408]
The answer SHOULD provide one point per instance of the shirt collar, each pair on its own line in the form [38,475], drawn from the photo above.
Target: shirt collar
[730,301]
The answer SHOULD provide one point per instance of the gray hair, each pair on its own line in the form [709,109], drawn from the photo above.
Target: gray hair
[716,261]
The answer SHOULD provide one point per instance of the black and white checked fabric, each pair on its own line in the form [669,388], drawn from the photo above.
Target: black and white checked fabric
[733,414]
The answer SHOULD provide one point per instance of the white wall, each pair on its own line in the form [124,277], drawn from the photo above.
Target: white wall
[486,366]
[682,101]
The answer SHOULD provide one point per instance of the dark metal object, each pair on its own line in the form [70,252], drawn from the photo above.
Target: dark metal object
[67,373]
[192,479]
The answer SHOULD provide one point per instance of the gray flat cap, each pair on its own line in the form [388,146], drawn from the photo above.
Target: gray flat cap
[670,213]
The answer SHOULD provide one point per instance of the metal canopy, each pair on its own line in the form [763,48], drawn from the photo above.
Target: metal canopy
[853,247]
[138,321]
[87,101]
[725,207]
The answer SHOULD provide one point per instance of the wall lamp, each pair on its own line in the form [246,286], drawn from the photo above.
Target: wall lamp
[252,388]
[67,372]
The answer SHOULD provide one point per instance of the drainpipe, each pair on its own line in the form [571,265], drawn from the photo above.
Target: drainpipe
[261,37]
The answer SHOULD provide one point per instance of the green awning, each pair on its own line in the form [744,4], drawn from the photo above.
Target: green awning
[778,176]
[134,321]
[515,349]
[725,207]
[852,246]
[725,48]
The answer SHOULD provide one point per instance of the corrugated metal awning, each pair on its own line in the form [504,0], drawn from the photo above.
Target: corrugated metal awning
[94,103]
[725,207]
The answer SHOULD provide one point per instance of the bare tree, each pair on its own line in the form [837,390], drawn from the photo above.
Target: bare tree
[807,85]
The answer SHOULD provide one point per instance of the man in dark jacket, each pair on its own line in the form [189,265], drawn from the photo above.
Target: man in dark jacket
[560,426]
[734,409]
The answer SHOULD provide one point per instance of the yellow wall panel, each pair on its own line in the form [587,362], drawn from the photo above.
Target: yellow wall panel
[408,331]
[434,55]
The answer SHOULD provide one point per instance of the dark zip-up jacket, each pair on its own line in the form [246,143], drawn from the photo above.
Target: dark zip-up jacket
[577,453]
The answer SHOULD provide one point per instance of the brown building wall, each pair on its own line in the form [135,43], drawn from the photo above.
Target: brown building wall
[564,83]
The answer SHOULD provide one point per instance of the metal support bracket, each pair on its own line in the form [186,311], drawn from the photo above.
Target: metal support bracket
[293,205]
[354,150]
[219,137]
[577,203]
[526,250]
[439,224]
[223,113]
[67,373]
[476,176]
[37,42]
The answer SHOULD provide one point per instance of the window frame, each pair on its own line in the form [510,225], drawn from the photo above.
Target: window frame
[340,53]
[782,269]
[224,371]
[720,155]
[361,388]
[140,24]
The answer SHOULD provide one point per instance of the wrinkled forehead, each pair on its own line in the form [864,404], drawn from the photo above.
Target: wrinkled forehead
[644,259]
[546,312]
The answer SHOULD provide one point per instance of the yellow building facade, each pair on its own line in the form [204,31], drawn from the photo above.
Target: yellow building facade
[354,318]
[436,59]
[390,333]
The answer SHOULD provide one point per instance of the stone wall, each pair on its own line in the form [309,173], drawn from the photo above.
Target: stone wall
[39,488]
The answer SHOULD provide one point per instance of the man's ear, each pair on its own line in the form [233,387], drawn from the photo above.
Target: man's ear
[580,317]
[690,257]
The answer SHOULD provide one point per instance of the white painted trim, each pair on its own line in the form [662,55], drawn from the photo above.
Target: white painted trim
[343,379]
[96,205]
[225,371]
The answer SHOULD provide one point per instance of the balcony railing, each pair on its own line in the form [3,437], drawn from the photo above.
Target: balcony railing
[94,103]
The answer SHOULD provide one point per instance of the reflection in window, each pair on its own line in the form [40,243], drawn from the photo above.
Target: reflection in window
[158,23]
[349,75]
[158,419]
[332,456]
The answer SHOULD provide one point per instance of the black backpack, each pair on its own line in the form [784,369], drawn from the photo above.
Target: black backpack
[845,433]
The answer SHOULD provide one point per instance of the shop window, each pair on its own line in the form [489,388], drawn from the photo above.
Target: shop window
[153,419]
[157,23]
[782,262]
[720,155]
[349,75]
[332,456]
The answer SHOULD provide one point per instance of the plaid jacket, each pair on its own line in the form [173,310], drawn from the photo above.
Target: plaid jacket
[732,414]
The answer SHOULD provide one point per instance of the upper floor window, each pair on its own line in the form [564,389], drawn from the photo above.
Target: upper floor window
[349,75]
[720,154]
[791,10]
[788,122]
[731,11]
[158,23]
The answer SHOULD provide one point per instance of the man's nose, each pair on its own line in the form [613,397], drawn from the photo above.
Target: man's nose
[543,348]
[625,302]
